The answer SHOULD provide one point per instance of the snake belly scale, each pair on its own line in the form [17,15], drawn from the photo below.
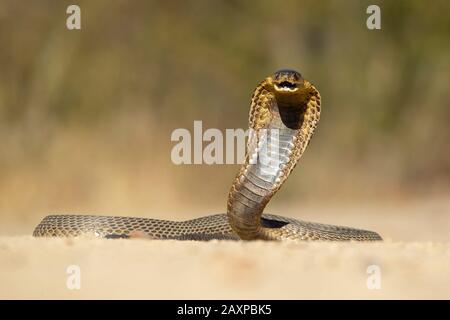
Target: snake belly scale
[284,112]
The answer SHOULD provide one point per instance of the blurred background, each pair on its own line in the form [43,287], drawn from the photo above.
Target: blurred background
[86,116]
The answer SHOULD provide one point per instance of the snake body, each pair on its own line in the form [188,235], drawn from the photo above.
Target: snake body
[284,112]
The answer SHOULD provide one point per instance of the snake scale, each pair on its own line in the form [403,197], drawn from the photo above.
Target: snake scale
[285,109]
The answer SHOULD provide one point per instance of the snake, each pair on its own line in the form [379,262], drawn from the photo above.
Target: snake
[284,112]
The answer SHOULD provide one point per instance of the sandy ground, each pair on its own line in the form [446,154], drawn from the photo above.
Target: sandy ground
[413,262]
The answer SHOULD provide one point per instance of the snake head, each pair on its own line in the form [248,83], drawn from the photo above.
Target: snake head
[290,89]
[285,82]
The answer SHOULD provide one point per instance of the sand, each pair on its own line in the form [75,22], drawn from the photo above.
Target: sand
[413,262]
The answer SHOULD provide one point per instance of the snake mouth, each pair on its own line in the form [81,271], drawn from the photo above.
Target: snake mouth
[286,86]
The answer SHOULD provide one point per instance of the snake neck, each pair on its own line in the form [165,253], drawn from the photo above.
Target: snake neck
[273,150]
[260,177]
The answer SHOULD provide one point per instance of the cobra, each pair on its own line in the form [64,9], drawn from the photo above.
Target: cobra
[284,112]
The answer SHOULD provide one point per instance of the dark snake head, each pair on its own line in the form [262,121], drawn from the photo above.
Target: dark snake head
[285,82]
